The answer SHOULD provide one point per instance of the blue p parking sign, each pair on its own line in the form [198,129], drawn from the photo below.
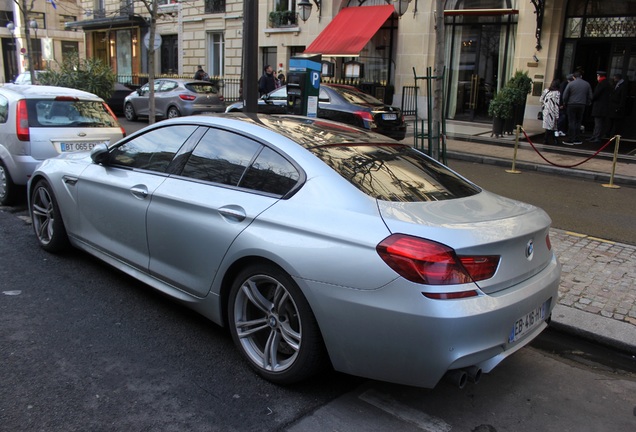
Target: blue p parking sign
[315,79]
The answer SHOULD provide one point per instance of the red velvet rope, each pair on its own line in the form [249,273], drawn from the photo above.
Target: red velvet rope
[566,166]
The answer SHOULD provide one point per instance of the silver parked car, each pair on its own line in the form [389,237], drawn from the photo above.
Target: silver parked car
[39,122]
[314,242]
[175,98]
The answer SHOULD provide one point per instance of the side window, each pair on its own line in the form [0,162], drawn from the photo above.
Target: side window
[4,109]
[168,85]
[153,150]
[221,157]
[271,173]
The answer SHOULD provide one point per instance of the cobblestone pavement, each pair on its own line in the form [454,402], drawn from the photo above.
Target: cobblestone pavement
[598,276]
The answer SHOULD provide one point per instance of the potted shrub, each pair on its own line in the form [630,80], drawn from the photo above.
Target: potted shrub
[521,85]
[501,109]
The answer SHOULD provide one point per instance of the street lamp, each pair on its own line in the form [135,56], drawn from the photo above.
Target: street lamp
[401,6]
[304,9]
[13,67]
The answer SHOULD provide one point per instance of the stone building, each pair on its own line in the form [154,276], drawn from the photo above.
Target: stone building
[49,40]
[379,48]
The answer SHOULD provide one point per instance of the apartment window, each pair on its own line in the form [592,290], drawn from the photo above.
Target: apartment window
[217,54]
[63,19]
[39,18]
[214,6]
[99,8]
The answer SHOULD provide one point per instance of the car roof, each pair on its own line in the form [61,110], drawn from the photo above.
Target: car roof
[306,131]
[44,92]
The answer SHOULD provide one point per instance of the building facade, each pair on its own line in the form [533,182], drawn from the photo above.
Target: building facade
[49,40]
[486,41]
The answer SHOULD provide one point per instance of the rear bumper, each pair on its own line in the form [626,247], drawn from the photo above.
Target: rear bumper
[396,334]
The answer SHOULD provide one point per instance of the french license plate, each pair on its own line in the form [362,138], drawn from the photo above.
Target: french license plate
[77,146]
[389,116]
[528,322]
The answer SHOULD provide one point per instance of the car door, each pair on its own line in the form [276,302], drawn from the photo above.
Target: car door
[142,101]
[194,217]
[165,94]
[113,198]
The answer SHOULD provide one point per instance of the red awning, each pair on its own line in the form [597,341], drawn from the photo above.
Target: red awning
[350,31]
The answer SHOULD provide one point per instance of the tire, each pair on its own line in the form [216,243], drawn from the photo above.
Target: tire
[129,112]
[173,112]
[8,189]
[273,326]
[47,221]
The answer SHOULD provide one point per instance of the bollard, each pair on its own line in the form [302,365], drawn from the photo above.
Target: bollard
[514,157]
[611,184]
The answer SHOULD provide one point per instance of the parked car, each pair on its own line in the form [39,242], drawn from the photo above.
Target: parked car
[116,100]
[39,122]
[175,98]
[314,242]
[24,78]
[340,103]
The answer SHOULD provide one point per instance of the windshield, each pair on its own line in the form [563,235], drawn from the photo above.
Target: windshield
[394,172]
[69,113]
[202,88]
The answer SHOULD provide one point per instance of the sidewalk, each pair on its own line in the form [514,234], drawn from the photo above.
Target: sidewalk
[597,295]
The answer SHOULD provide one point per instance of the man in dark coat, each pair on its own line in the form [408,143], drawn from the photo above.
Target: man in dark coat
[576,97]
[267,82]
[617,104]
[600,107]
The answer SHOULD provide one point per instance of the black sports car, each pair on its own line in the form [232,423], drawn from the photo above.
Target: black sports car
[345,104]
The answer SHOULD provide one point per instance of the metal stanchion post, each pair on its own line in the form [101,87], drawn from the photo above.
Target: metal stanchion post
[611,184]
[514,157]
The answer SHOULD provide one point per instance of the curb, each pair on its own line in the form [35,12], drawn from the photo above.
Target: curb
[596,328]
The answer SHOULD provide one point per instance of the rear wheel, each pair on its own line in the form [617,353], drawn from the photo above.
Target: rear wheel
[8,189]
[273,326]
[129,112]
[47,221]
[173,112]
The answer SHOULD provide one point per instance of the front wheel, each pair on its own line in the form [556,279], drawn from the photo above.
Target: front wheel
[129,112]
[273,326]
[47,221]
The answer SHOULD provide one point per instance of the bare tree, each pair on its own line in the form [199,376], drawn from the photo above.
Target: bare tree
[151,7]
[25,8]
[438,72]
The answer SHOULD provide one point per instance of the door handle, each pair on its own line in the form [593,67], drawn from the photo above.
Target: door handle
[233,213]
[139,191]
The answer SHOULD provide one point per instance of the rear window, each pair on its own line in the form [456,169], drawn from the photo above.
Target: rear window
[395,173]
[202,88]
[357,97]
[69,113]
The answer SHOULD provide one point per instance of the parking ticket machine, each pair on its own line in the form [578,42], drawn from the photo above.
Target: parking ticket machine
[303,85]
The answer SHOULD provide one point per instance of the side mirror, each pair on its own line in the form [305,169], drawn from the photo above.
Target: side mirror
[99,154]
[140,91]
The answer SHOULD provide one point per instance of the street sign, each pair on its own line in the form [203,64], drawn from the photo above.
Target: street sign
[157,43]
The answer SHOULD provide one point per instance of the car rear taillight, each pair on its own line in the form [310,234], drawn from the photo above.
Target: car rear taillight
[548,242]
[431,263]
[66,98]
[187,97]
[112,114]
[22,121]
[366,118]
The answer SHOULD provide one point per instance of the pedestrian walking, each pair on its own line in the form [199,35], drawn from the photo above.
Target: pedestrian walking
[577,96]
[600,107]
[550,99]
[617,104]
[267,82]
[281,78]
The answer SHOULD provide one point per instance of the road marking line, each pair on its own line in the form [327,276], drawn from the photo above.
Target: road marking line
[403,412]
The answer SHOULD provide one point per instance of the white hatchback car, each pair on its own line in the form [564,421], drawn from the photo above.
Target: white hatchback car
[40,122]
